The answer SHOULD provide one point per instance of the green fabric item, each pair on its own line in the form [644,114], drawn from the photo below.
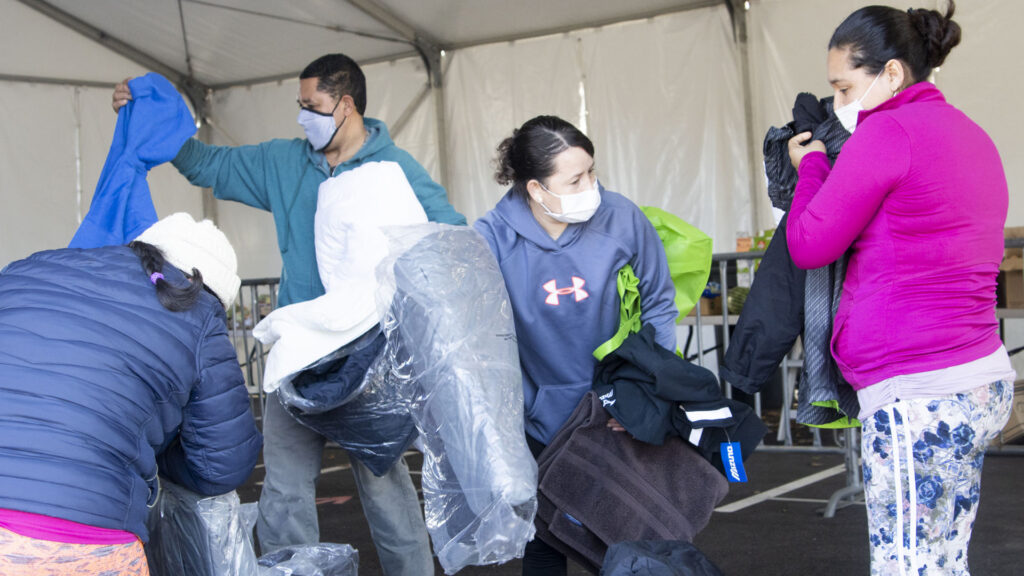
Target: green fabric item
[689,256]
[844,421]
[629,311]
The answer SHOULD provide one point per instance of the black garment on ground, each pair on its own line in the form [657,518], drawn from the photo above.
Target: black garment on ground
[657,558]
[777,166]
[656,394]
[771,321]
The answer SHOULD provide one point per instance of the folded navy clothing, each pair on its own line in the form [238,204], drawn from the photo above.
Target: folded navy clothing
[350,400]
[657,558]
[337,380]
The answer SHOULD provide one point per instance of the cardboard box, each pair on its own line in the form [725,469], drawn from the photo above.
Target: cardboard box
[708,307]
[1010,289]
[1014,428]
[1010,285]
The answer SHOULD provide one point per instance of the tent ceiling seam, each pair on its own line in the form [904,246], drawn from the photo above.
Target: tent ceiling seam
[194,90]
[184,40]
[423,43]
[295,75]
[56,81]
[280,18]
[584,25]
[428,47]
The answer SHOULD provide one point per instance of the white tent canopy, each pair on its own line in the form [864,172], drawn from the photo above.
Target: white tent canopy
[676,94]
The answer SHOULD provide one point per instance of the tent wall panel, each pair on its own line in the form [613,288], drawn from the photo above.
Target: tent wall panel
[671,133]
[33,45]
[489,91]
[982,78]
[38,177]
[788,45]
[48,158]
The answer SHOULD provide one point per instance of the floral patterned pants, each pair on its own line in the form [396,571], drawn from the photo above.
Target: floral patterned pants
[23,556]
[922,478]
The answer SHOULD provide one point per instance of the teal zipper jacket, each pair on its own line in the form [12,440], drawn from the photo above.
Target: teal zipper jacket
[283,176]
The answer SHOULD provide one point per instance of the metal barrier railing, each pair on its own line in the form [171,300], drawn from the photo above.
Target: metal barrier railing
[257,297]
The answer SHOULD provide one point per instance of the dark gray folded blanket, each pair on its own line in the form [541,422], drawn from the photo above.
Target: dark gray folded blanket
[598,487]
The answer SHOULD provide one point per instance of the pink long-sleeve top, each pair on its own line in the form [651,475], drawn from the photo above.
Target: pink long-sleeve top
[919,196]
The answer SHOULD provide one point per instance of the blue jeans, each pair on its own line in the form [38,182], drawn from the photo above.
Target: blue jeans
[292,455]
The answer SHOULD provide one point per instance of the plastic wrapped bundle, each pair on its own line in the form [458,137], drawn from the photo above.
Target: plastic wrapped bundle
[311,560]
[197,535]
[453,355]
[348,397]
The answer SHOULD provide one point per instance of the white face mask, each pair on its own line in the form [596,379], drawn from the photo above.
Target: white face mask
[319,126]
[576,208]
[848,114]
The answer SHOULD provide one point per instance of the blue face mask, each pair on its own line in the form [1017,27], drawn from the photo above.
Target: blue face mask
[319,126]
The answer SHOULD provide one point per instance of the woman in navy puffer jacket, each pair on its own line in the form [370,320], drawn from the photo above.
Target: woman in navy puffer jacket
[114,366]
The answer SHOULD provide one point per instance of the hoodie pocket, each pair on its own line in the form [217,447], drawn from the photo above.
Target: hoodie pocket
[553,405]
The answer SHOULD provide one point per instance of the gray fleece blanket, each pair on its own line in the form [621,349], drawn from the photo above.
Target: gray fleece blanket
[598,487]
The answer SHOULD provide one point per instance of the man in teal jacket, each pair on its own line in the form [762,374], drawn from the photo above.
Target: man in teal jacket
[283,177]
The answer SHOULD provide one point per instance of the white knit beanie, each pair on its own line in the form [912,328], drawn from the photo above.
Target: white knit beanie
[188,244]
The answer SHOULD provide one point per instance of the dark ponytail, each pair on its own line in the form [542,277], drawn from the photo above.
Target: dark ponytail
[920,38]
[174,298]
[529,154]
[941,34]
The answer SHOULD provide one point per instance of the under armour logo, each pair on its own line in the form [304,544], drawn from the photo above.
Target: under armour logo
[554,291]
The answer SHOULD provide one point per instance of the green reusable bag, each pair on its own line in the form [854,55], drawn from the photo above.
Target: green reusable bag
[689,256]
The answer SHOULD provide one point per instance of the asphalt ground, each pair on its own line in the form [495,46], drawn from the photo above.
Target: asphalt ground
[770,526]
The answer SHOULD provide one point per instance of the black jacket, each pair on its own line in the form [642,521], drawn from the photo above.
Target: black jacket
[785,301]
[656,394]
[821,123]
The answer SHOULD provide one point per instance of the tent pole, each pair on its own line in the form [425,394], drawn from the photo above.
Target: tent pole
[437,84]
[430,51]
[739,19]
[397,126]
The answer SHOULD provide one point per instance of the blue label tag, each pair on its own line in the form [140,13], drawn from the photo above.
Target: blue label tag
[732,459]
[573,520]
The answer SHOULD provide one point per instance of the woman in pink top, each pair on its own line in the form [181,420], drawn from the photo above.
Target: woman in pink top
[919,198]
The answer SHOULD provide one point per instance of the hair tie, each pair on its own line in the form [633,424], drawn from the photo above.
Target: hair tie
[155,276]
